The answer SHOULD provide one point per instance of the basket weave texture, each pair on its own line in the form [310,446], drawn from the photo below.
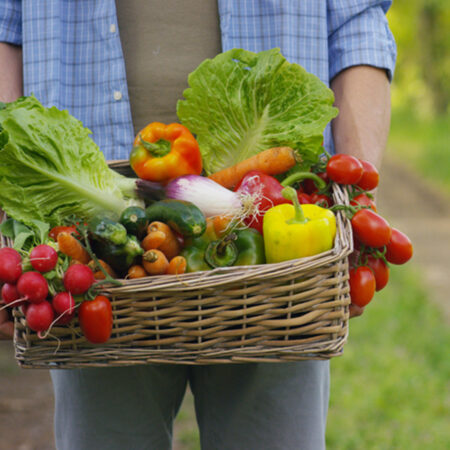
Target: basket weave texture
[288,311]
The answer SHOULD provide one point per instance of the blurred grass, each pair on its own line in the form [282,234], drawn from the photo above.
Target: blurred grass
[390,388]
[423,144]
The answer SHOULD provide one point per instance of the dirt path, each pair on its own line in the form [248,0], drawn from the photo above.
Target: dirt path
[26,400]
[423,213]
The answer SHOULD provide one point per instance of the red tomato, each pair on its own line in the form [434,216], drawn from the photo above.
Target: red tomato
[370,228]
[322,200]
[380,271]
[370,176]
[96,319]
[53,234]
[344,169]
[362,285]
[303,198]
[309,186]
[364,200]
[399,248]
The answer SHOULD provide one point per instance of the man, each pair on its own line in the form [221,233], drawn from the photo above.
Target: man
[73,58]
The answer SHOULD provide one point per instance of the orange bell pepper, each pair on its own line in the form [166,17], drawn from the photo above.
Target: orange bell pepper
[163,152]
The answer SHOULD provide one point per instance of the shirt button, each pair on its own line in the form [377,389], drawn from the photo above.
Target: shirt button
[112,28]
[117,95]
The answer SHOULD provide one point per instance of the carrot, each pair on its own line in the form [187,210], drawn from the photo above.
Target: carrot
[70,246]
[155,262]
[154,239]
[171,246]
[273,161]
[136,271]
[176,265]
[98,274]
[221,224]
[72,262]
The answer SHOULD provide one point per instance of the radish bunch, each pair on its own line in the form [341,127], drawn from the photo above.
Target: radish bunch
[31,286]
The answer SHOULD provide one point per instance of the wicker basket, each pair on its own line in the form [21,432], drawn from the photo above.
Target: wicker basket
[287,311]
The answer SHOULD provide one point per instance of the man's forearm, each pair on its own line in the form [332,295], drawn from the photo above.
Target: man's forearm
[11,82]
[363,98]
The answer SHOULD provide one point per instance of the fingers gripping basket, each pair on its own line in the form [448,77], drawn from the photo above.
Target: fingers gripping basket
[287,311]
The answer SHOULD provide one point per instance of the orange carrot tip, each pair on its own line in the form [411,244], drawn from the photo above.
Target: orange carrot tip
[136,271]
[177,265]
[155,262]
[153,240]
[272,161]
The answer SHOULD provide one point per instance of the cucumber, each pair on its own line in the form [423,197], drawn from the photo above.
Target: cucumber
[104,229]
[134,219]
[182,216]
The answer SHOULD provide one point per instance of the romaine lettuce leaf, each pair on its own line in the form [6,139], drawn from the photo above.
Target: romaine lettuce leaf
[241,103]
[51,169]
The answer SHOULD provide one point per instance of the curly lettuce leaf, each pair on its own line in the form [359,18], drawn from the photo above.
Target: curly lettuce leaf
[241,103]
[50,168]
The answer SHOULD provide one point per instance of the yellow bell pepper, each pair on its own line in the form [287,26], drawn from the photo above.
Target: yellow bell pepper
[292,231]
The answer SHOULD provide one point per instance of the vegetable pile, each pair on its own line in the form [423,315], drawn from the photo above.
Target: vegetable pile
[242,180]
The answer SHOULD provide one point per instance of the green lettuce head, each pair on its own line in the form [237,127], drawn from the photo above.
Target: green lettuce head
[51,169]
[241,103]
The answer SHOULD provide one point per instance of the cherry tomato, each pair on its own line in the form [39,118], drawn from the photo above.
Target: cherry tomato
[303,198]
[399,248]
[362,285]
[96,319]
[322,200]
[53,233]
[370,228]
[310,187]
[344,169]
[364,200]
[380,271]
[370,176]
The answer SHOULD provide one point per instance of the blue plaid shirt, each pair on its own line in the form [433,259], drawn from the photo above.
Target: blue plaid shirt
[73,57]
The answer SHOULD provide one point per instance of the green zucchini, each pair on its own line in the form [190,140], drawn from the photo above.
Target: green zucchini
[104,229]
[119,257]
[134,219]
[182,216]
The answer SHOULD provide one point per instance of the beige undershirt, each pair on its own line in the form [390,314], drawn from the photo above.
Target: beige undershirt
[162,42]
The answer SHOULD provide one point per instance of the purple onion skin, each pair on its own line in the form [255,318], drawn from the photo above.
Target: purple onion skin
[150,191]
[177,186]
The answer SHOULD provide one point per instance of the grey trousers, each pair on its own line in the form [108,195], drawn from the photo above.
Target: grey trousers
[240,407]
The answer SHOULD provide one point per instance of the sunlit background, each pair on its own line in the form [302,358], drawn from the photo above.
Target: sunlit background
[390,390]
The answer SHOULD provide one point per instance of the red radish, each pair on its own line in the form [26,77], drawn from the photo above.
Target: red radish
[10,265]
[43,258]
[40,316]
[78,279]
[11,294]
[33,286]
[64,306]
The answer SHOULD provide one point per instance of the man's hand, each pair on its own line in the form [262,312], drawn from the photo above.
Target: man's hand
[355,310]
[6,325]
[363,98]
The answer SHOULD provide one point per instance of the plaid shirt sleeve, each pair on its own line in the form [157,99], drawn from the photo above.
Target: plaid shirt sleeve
[358,34]
[11,21]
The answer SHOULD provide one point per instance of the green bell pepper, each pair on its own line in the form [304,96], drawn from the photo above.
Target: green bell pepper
[214,249]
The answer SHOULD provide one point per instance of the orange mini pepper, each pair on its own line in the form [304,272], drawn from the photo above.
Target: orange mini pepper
[163,152]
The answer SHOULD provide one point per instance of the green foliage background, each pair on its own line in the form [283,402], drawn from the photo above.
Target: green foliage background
[422,32]
[420,126]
